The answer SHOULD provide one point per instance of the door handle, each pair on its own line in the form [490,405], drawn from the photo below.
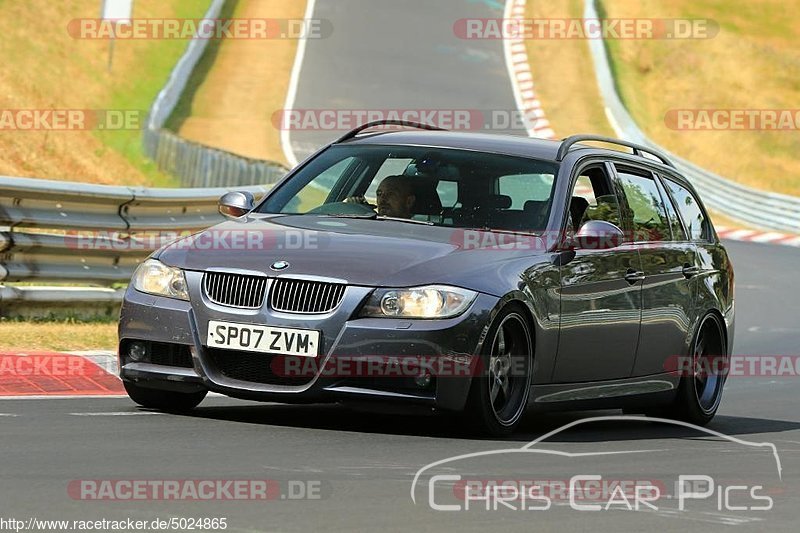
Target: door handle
[690,270]
[634,276]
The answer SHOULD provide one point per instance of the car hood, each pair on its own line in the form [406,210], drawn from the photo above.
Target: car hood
[379,253]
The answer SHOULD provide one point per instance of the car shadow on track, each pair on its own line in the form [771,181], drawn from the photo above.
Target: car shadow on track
[345,419]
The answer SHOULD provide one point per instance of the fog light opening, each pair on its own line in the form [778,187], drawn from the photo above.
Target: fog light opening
[423,381]
[137,352]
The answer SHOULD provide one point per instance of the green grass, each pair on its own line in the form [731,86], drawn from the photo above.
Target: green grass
[59,335]
[183,109]
[140,92]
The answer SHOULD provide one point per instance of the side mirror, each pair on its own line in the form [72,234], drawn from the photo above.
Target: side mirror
[598,235]
[236,204]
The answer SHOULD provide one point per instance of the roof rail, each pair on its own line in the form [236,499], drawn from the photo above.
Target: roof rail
[388,122]
[638,149]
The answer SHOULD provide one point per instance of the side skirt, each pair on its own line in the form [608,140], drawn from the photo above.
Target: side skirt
[640,391]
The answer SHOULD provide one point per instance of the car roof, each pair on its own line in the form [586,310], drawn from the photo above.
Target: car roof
[506,144]
[515,145]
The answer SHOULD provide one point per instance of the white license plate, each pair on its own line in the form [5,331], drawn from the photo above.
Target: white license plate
[253,338]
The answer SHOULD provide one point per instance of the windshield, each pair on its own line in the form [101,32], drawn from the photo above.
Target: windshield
[438,186]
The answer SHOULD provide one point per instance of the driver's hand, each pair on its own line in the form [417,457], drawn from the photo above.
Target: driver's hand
[358,200]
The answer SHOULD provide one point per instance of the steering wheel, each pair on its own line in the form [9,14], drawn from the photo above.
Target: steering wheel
[342,208]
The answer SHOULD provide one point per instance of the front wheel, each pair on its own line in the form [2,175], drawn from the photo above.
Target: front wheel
[162,399]
[499,392]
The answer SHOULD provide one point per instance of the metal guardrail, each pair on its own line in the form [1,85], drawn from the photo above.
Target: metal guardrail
[66,231]
[194,164]
[60,302]
[753,206]
[197,165]
[66,296]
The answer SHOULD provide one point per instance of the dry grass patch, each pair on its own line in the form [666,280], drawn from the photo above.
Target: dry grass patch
[45,68]
[239,85]
[753,63]
[57,336]
[564,75]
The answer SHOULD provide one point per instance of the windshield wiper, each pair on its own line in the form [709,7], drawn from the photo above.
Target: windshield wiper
[409,220]
[506,231]
[351,215]
[375,216]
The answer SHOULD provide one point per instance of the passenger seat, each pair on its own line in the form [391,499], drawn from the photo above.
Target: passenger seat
[577,207]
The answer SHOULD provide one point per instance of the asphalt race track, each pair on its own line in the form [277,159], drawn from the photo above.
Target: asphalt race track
[396,59]
[361,465]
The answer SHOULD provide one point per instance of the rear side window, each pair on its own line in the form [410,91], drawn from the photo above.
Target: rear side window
[687,204]
[448,193]
[525,187]
[650,222]
[678,233]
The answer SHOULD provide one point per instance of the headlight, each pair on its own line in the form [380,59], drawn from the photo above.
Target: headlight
[154,277]
[435,301]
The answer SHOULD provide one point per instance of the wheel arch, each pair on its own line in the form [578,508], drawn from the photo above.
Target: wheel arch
[517,300]
[723,327]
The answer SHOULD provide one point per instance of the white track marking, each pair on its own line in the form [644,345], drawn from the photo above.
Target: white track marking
[767,237]
[88,396]
[291,94]
[62,397]
[120,413]
[519,72]
[764,237]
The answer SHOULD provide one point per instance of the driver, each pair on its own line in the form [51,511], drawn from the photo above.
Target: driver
[395,197]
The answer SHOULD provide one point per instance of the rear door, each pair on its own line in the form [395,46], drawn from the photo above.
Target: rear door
[668,259]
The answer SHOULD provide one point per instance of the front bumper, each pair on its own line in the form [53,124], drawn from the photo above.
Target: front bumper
[451,342]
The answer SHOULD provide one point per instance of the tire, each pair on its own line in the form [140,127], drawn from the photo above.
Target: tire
[499,391]
[164,400]
[699,394]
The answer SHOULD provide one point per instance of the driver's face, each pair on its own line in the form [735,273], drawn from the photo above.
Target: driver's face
[394,200]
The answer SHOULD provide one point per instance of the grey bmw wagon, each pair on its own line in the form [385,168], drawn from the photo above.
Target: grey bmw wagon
[477,274]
